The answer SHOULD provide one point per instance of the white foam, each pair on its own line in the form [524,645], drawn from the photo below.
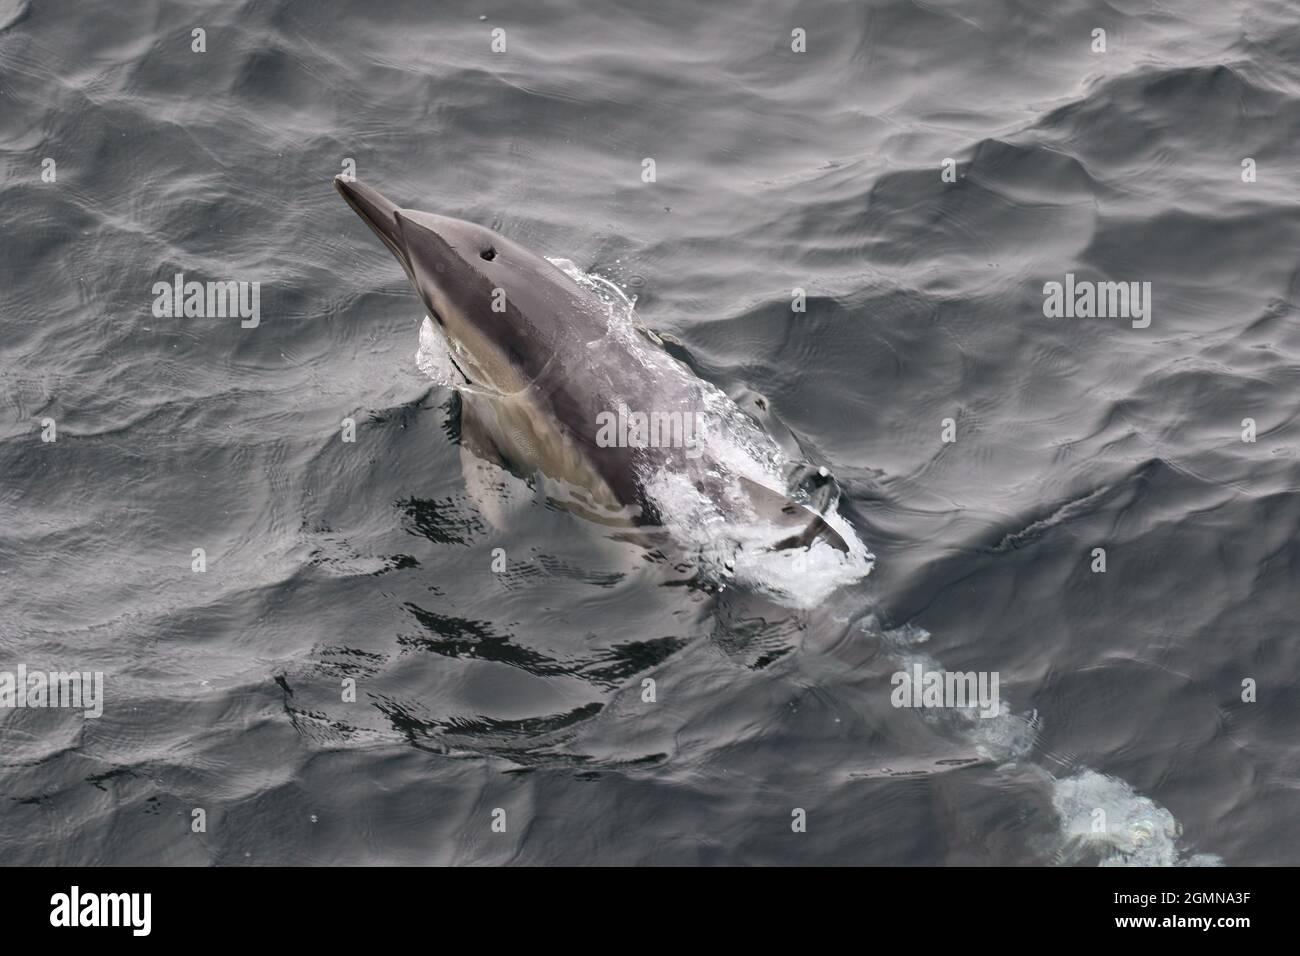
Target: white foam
[1103,818]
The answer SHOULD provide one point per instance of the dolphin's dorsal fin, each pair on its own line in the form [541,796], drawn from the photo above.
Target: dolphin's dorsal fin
[804,525]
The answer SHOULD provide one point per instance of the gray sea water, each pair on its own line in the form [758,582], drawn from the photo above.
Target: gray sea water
[1148,712]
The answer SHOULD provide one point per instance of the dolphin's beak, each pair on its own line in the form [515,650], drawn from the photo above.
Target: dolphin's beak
[379,213]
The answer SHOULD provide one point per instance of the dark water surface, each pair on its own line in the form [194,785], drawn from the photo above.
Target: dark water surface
[523,690]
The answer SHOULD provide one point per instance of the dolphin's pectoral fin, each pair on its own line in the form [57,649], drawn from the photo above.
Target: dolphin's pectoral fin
[483,432]
[489,475]
[491,487]
[474,437]
[803,524]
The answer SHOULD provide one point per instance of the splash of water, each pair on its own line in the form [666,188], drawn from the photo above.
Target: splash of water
[433,357]
[707,529]
[1102,819]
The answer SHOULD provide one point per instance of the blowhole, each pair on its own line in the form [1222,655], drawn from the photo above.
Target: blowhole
[489,254]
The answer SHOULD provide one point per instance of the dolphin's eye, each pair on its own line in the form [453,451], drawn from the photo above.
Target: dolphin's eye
[489,254]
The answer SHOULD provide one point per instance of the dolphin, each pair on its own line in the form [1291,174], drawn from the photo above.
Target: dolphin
[552,385]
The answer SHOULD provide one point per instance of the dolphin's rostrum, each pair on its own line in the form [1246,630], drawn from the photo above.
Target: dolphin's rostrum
[546,371]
